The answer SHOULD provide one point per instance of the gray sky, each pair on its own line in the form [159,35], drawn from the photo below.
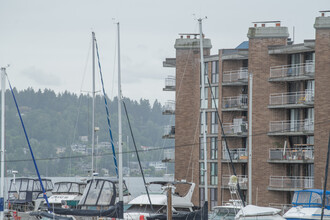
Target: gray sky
[47,43]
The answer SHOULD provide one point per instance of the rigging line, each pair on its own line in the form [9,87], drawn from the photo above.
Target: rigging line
[137,155]
[177,91]
[28,142]
[191,151]
[225,138]
[80,96]
[106,109]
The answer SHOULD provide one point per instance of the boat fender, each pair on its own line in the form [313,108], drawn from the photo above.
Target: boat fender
[141,217]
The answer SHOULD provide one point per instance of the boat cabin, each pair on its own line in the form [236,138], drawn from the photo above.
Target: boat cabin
[76,188]
[23,193]
[310,198]
[101,194]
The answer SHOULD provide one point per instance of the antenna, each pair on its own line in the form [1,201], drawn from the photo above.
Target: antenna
[293,34]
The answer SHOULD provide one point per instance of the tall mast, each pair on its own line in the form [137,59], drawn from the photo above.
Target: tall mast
[120,166]
[2,184]
[93,105]
[250,140]
[203,108]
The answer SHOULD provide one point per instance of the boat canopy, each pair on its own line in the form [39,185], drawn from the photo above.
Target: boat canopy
[69,188]
[310,198]
[22,190]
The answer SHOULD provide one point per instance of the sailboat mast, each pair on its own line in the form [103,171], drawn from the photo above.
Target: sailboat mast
[250,141]
[203,108]
[2,184]
[93,103]
[120,166]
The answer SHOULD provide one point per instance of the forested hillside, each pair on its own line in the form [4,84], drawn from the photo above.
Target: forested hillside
[55,123]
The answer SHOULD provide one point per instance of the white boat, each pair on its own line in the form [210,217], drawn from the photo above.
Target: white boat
[307,204]
[252,212]
[140,206]
[66,194]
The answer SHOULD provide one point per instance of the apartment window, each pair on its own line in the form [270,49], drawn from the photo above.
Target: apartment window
[204,104]
[215,96]
[214,148]
[214,197]
[214,123]
[214,173]
[201,149]
[202,127]
[215,72]
[201,173]
[206,70]
[201,196]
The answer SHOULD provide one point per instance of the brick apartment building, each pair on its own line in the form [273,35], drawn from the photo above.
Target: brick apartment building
[290,112]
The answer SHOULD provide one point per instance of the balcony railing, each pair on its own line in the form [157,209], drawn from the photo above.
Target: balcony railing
[169,108]
[292,98]
[242,180]
[291,182]
[306,125]
[235,76]
[295,70]
[169,83]
[169,131]
[235,102]
[235,129]
[236,154]
[291,154]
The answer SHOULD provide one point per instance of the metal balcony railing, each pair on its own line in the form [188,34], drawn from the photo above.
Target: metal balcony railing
[170,82]
[301,69]
[235,102]
[234,129]
[292,182]
[292,98]
[240,75]
[236,154]
[292,154]
[242,180]
[306,125]
[169,107]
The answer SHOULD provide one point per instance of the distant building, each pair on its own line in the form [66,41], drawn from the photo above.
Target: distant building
[290,113]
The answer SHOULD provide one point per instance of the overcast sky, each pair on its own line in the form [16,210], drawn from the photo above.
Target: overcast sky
[48,43]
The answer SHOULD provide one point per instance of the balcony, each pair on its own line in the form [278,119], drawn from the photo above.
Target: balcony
[169,108]
[290,183]
[292,155]
[239,155]
[295,72]
[242,180]
[169,83]
[291,128]
[236,129]
[292,99]
[235,77]
[237,103]
[169,132]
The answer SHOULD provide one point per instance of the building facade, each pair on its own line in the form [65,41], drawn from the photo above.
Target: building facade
[290,113]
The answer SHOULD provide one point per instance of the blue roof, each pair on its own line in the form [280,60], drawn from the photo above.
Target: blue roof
[243,45]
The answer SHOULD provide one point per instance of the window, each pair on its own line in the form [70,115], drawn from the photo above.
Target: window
[201,173]
[215,96]
[206,70]
[202,127]
[201,196]
[215,72]
[214,148]
[214,173]
[214,197]
[206,92]
[214,123]
[201,149]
